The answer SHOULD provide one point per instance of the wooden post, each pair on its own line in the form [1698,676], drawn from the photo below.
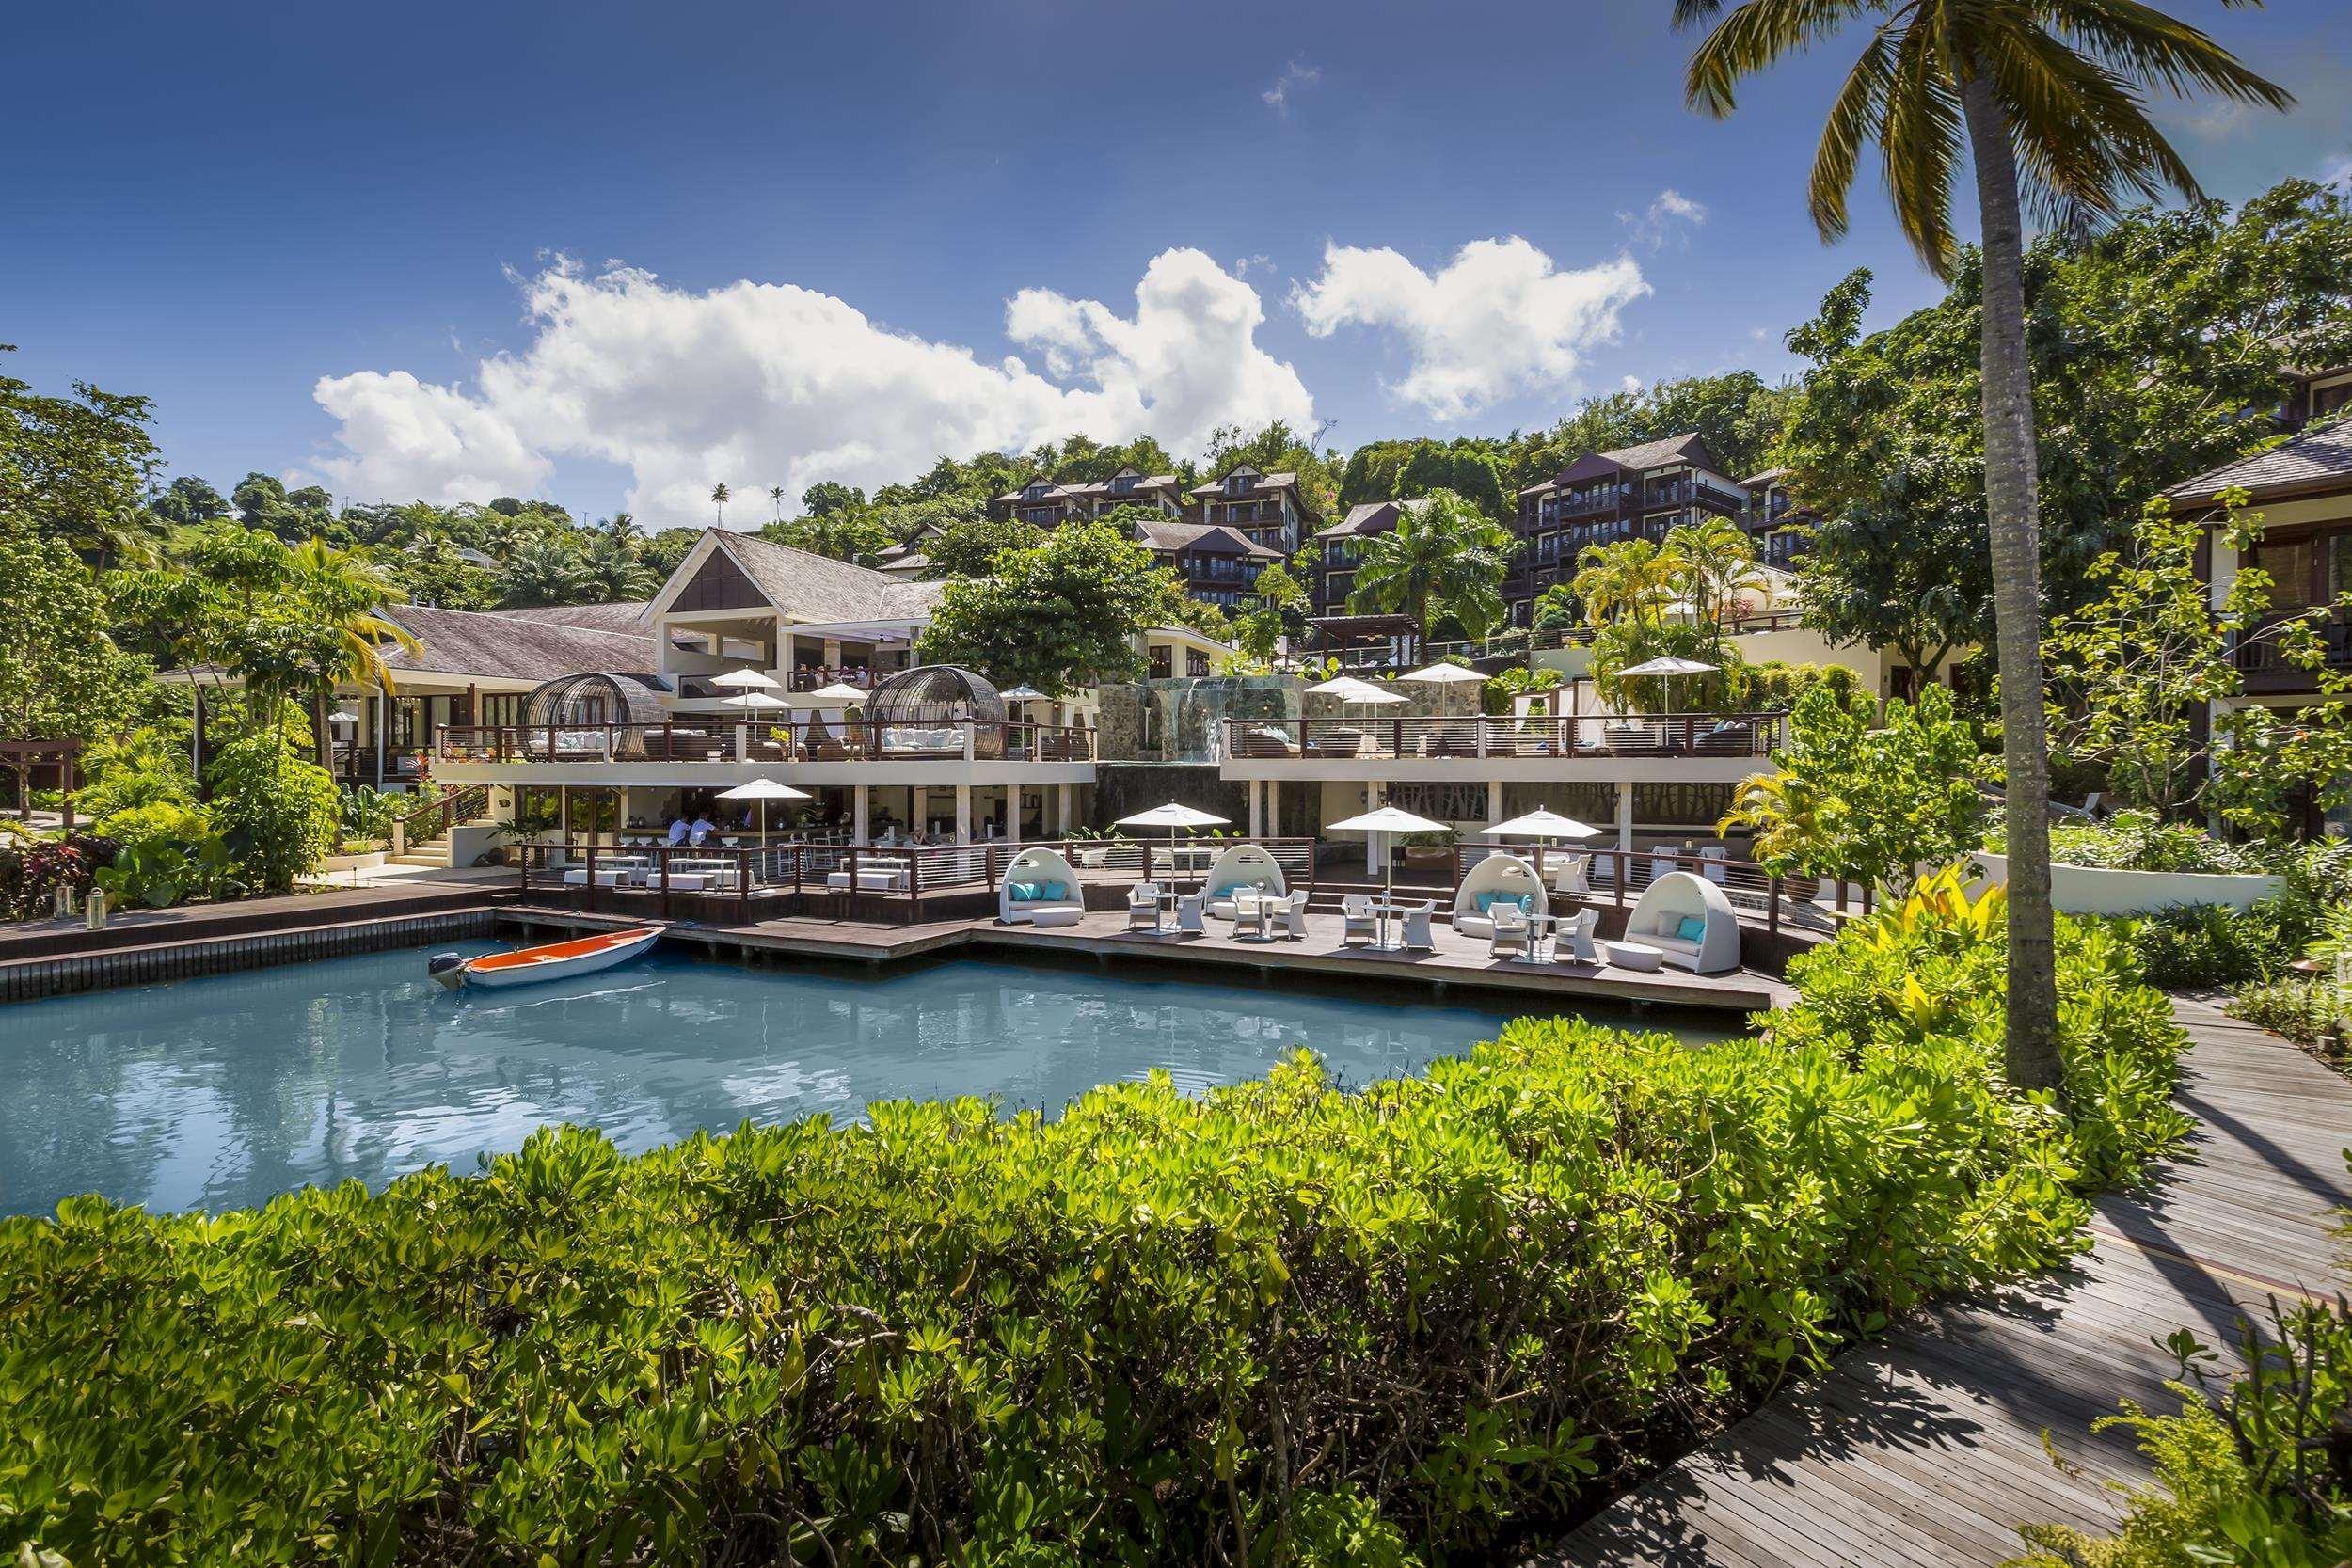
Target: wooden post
[743,886]
[1772,907]
[664,853]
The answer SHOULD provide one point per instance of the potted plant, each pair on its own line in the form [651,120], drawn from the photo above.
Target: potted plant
[1430,850]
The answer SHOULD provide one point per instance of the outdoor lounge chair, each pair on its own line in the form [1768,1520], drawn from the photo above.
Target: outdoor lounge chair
[1574,936]
[1188,909]
[1357,919]
[1143,907]
[1494,882]
[1689,920]
[1038,881]
[1418,938]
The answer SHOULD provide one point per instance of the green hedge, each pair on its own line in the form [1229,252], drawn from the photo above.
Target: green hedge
[1277,1323]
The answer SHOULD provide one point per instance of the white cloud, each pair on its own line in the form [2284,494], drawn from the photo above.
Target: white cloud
[1295,75]
[1496,320]
[1655,224]
[2337,170]
[759,384]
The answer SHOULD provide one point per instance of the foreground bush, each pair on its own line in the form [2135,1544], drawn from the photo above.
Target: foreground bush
[1281,1323]
[2255,1470]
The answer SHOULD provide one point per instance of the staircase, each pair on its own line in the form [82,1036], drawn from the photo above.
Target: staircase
[424,836]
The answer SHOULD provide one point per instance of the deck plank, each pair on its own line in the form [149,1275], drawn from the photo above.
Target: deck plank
[1926,1445]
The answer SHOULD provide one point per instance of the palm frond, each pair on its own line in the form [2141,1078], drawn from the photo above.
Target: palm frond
[1751,40]
[2132,38]
[1920,144]
[1855,121]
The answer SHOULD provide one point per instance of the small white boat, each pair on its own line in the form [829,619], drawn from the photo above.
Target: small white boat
[554,960]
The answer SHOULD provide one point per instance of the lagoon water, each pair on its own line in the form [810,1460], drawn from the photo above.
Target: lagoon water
[224,1091]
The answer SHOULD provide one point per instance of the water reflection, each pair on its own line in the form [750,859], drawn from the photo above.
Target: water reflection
[223,1091]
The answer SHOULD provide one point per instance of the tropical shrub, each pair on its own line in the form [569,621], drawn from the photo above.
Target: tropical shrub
[146,767]
[2204,945]
[277,812]
[367,813]
[1277,1323]
[2255,1470]
[31,872]
[2140,841]
[168,853]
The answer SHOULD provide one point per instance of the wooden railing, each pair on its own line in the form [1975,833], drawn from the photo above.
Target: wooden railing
[459,803]
[1701,734]
[725,739]
[1617,876]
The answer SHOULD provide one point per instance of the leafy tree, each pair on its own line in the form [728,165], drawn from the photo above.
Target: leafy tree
[2047,97]
[77,468]
[262,501]
[1632,640]
[1197,615]
[277,814]
[1624,579]
[544,569]
[2141,664]
[1862,803]
[61,675]
[1444,559]
[189,500]
[1281,602]
[667,550]
[342,591]
[1471,468]
[829,499]
[612,572]
[969,549]
[431,572]
[1063,613]
[844,536]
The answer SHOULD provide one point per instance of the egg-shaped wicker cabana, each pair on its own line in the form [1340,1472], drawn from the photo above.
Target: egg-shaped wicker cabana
[574,707]
[909,708]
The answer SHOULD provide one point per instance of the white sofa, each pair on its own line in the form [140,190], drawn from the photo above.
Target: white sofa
[1041,867]
[1497,877]
[1656,920]
[1240,866]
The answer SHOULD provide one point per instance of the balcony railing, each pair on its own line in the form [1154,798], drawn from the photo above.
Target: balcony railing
[1697,734]
[714,738]
[2258,653]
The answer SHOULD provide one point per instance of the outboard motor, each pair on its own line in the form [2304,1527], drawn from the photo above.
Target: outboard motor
[448,968]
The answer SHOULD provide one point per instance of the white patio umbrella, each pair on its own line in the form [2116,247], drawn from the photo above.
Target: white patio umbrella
[1172,816]
[1347,689]
[1024,693]
[1444,672]
[745,680]
[752,700]
[1543,824]
[1668,667]
[1387,819]
[763,791]
[836,695]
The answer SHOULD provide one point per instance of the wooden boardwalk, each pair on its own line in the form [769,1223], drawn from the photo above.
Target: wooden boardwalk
[1457,960]
[1927,1449]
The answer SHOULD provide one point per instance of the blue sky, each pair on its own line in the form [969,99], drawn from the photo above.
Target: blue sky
[326,239]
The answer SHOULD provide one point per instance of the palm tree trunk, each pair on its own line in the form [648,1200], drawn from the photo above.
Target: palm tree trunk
[2014,509]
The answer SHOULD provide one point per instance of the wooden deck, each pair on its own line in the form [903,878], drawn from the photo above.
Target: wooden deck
[1458,961]
[1926,1449]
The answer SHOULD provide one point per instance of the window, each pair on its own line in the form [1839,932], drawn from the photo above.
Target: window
[1196,663]
[1035,492]
[1123,484]
[1237,484]
[1163,665]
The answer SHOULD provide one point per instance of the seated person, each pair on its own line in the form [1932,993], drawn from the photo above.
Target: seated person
[678,829]
[703,829]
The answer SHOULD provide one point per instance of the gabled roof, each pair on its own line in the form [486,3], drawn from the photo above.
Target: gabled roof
[2318,461]
[804,586]
[621,615]
[516,645]
[1217,539]
[1690,447]
[1770,476]
[1369,518]
[1283,481]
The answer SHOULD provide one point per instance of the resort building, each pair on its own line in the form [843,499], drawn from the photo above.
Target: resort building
[1217,565]
[1268,509]
[1339,548]
[1773,521]
[2303,489]
[1043,504]
[1637,492]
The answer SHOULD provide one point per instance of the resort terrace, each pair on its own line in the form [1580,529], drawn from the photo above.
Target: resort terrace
[704,740]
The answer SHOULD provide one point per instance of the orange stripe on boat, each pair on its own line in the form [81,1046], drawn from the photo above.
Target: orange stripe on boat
[578,947]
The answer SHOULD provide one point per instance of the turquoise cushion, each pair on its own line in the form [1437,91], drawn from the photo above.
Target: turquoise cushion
[1486,901]
[1051,891]
[1691,928]
[1024,893]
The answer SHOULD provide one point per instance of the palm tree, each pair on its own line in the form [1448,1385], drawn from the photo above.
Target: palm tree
[720,495]
[1713,562]
[610,572]
[345,590]
[2049,99]
[775,494]
[1444,557]
[541,569]
[1628,578]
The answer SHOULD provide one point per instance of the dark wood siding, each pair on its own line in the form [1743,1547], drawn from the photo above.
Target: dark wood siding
[720,585]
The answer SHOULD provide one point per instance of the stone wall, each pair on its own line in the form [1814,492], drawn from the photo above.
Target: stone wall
[1124,788]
